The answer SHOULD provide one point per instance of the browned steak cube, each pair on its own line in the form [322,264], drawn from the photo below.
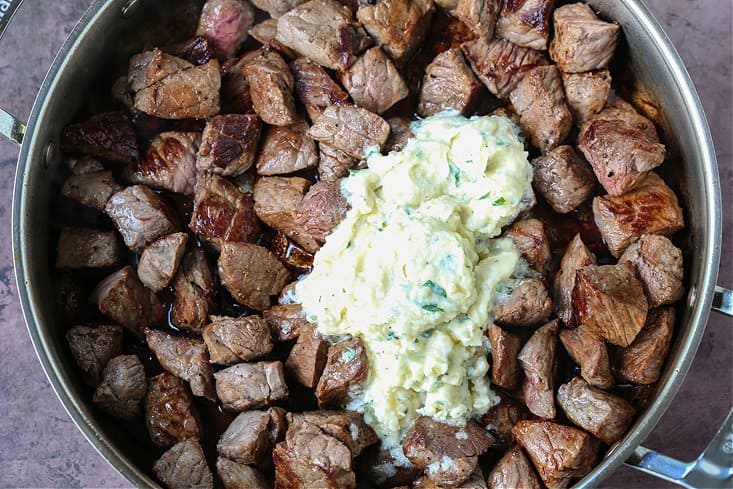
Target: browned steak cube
[525,22]
[229,144]
[586,93]
[84,165]
[538,361]
[266,33]
[478,15]
[642,361]
[91,189]
[248,440]
[87,248]
[251,385]
[590,352]
[622,146]
[234,475]
[398,26]
[500,64]
[559,453]
[150,67]
[609,300]
[540,102]
[374,82]
[251,274]
[351,129]
[448,84]
[285,321]
[169,411]
[346,368]
[604,415]
[501,418]
[271,87]
[582,41]
[658,265]
[531,240]
[307,358]
[563,178]
[159,261]
[169,163]
[475,481]
[505,370]
[399,133]
[193,291]
[333,163]
[140,215]
[348,427]
[522,302]
[231,340]
[235,94]
[323,31]
[185,357]
[277,202]
[196,50]
[225,24]
[322,209]
[184,466]
[651,208]
[276,8]
[576,256]
[123,387]
[286,149]
[315,88]
[107,136]
[513,471]
[92,347]
[125,300]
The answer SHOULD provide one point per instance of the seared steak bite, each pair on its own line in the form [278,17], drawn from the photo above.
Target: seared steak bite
[248,440]
[140,215]
[642,361]
[658,265]
[196,50]
[225,24]
[235,93]
[522,302]
[538,361]
[380,468]
[651,208]
[333,163]
[621,145]
[266,33]
[184,357]
[398,26]
[609,300]
[582,41]
[604,415]
[351,129]
[500,64]
[251,385]
[586,93]
[251,274]
[590,352]
[124,299]
[87,248]
[231,340]
[475,481]
[123,387]
[526,23]
[513,471]
[271,87]
[169,411]
[159,261]
[323,31]
[399,133]
[505,369]
[276,8]
[576,256]
[193,291]
[346,369]
[150,67]
[91,189]
[285,321]
[92,347]
[322,209]
[307,358]
[234,475]
[540,102]
[348,427]
[374,82]
[169,163]
[229,144]
[315,88]
[448,84]
[184,466]
[286,150]
[563,178]
[107,136]
[478,15]
[559,453]
[531,240]
[501,418]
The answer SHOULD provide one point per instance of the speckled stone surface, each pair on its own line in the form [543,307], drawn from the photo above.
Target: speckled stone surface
[39,445]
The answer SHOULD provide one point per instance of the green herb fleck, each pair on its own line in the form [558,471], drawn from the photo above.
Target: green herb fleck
[501,143]
[437,289]
[432,308]
[391,336]
[499,201]
[485,196]
[348,245]
[469,162]
[427,333]
[348,355]
[455,173]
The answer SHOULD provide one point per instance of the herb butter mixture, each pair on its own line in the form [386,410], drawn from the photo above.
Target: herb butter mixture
[413,268]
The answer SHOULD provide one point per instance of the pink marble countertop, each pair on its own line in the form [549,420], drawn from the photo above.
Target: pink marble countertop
[40,446]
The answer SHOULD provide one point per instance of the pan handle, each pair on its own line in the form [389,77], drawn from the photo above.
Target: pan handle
[713,469]
[10,126]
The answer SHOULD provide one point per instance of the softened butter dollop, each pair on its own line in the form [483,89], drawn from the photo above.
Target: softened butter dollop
[413,268]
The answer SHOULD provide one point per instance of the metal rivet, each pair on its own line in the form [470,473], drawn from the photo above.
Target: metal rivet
[130,8]
[50,154]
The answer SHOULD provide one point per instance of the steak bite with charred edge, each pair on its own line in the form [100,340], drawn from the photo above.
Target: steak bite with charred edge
[170,414]
[92,347]
[538,361]
[231,340]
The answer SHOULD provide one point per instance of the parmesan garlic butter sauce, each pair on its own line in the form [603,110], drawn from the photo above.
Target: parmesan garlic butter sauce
[413,268]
